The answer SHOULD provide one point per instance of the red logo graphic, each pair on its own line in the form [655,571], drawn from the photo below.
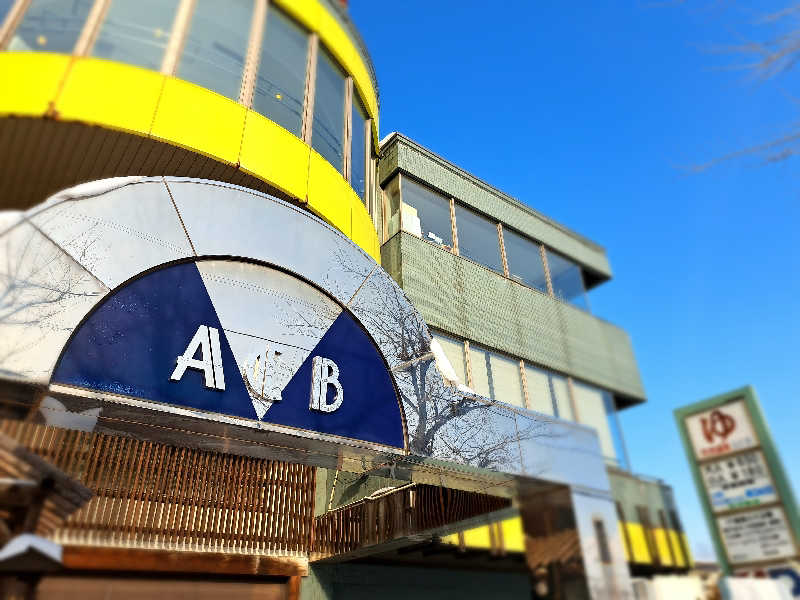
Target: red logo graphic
[719,424]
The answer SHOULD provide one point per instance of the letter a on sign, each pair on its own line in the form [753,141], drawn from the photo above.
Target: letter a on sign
[324,372]
[206,339]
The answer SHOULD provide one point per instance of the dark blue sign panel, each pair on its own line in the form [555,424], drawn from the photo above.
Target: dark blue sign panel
[160,338]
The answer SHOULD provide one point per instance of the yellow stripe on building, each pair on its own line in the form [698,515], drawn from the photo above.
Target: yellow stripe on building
[145,103]
[662,545]
[641,554]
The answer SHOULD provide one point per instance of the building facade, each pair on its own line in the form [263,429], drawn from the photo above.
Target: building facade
[247,348]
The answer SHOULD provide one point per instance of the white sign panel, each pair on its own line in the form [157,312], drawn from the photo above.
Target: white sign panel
[720,431]
[738,481]
[757,535]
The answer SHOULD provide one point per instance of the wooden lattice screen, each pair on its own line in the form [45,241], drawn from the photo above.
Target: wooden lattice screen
[150,495]
[404,511]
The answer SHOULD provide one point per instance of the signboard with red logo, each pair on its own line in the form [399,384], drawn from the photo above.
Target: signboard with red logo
[720,431]
[745,494]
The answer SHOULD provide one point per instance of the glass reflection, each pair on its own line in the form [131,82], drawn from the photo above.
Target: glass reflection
[454,351]
[426,213]
[540,394]
[136,32]
[358,149]
[216,45]
[391,217]
[327,135]
[280,84]
[524,260]
[50,26]
[478,239]
[567,280]
[496,376]
[5,8]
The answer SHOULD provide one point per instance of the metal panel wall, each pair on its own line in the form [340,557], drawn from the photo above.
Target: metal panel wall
[465,299]
[401,153]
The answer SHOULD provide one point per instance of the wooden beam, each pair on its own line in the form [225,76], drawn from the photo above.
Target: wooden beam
[92,558]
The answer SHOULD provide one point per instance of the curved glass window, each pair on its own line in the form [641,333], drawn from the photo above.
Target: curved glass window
[280,85]
[51,26]
[524,260]
[358,149]
[478,239]
[215,48]
[136,32]
[327,135]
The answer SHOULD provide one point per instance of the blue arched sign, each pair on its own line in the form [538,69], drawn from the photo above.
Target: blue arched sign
[239,339]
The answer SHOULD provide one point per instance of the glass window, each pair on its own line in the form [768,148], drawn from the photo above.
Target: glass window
[478,239]
[454,351]
[5,8]
[327,135]
[560,390]
[524,260]
[136,32]
[216,46]
[481,370]
[506,380]
[616,431]
[540,396]
[591,407]
[391,215]
[50,26]
[567,280]
[496,376]
[281,81]
[426,213]
[358,149]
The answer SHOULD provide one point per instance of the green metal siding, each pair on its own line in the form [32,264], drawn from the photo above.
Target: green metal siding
[401,153]
[463,298]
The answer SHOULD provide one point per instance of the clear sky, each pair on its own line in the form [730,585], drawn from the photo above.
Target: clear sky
[586,111]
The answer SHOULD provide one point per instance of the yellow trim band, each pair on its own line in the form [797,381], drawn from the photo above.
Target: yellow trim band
[149,104]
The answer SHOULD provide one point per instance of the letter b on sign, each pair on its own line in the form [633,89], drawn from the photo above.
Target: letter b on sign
[324,373]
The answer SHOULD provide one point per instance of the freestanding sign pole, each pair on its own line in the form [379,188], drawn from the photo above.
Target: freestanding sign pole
[746,497]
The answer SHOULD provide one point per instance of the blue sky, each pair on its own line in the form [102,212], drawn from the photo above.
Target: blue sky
[587,114]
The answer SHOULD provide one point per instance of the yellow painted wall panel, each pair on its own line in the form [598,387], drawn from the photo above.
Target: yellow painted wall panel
[271,153]
[364,233]
[109,93]
[36,77]
[513,535]
[477,537]
[305,11]
[641,554]
[196,118]
[329,194]
[663,546]
[674,541]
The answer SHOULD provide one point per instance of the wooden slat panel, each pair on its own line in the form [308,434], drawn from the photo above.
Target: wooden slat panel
[149,495]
